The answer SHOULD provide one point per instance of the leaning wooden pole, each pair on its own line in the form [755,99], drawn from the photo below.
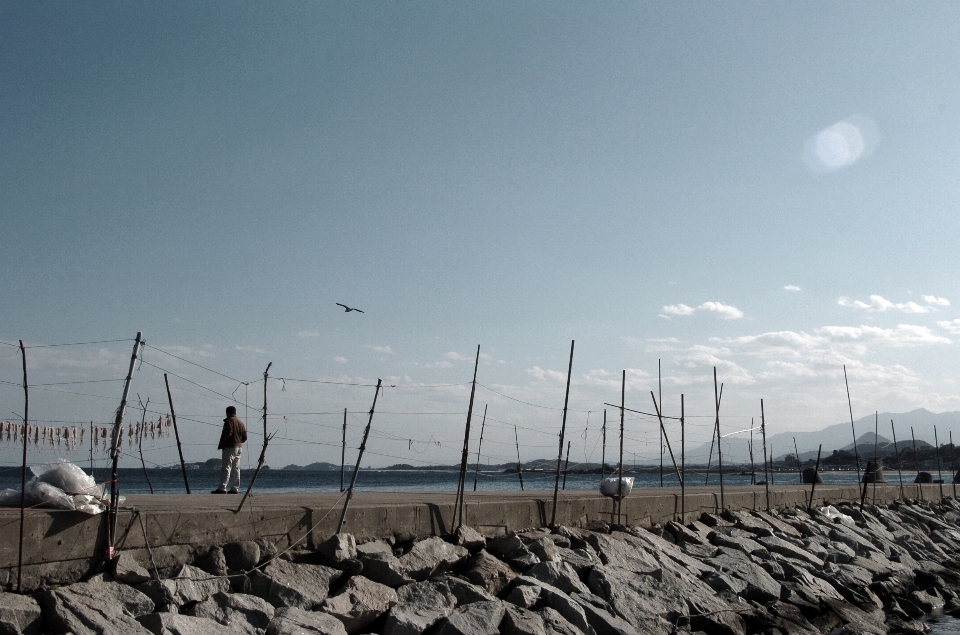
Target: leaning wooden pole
[660,394]
[566,466]
[563,432]
[876,452]
[115,453]
[458,502]
[623,405]
[176,432]
[23,469]
[603,450]
[753,468]
[953,465]
[896,451]
[343,449]
[483,425]
[519,465]
[763,433]
[936,442]
[863,493]
[356,468]
[716,398]
[796,455]
[266,441]
[663,435]
[856,453]
[916,458]
[683,466]
[143,421]
[816,474]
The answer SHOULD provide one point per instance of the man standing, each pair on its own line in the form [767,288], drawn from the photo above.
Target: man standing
[231,440]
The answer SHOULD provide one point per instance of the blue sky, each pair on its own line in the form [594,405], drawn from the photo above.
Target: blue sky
[770,188]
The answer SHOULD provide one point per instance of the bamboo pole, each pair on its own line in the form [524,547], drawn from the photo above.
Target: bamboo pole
[483,425]
[266,440]
[771,464]
[519,466]
[816,473]
[796,455]
[343,449]
[660,393]
[663,435]
[863,494]
[23,469]
[916,459]
[856,453]
[356,468]
[896,451]
[936,442]
[619,498]
[953,465]
[763,432]
[876,443]
[753,468]
[603,450]
[458,501]
[716,398]
[143,420]
[683,466]
[176,432]
[563,432]
[566,464]
[115,453]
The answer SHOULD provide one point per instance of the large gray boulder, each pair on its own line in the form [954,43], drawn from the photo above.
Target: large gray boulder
[242,613]
[555,624]
[479,618]
[521,621]
[759,585]
[175,624]
[488,572]
[339,548]
[784,548]
[19,614]
[285,583]
[383,567]
[617,552]
[241,556]
[463,592]
[561,575]
[469,538]
[430,557]
[126,569]
[419,606]
[96,606]
[188,584]
[290,620]
[551,596]
[545,549]
[602,621]
[360,602]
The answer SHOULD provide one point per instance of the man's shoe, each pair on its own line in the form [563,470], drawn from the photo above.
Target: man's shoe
[218,491]
[234,491]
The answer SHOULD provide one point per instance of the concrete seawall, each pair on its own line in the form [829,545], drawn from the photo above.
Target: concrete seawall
[61,547]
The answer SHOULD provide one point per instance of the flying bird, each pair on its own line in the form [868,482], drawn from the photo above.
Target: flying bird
[347,309]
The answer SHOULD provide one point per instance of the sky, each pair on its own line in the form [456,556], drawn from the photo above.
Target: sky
[766,188]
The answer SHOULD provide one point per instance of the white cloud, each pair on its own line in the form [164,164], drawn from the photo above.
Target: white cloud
[380,349]
[792,287]
[953,326]
[538,373]
[250,349]
[340,360]
[879,304]
[457,357]
[725,311]
[935,301]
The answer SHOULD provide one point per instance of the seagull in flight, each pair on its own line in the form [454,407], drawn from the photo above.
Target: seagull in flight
[347,309]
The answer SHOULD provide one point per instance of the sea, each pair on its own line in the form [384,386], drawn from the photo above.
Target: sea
[170,481]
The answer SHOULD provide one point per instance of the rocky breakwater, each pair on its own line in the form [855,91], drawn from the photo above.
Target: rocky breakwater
[834,570]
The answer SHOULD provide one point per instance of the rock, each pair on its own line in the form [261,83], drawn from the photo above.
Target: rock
[502,545]
[709,615]
[554,624]
[360,602]
[778,545]
[96,606]
[213,563]
[740,543]
[175,624]
[582,560]
[304,586]
[464,592]
[242,556]
[242,613]
[383,567]
[617,553]
[430,557]
[544,549]
[524,596]
[469,538]
[682,534]
[560,575]
[374,546]
[19,614]
[760,586]
[561,602]
[521,621]
[289,620]
[339,548]
[188,584]
[127,570]
[521,558]
[604,622]
[419,606]
[486,571]
[478,618]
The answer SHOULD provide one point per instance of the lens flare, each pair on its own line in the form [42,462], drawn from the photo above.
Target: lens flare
[840,145]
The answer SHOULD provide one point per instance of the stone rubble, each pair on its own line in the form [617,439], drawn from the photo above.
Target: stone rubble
[833,570]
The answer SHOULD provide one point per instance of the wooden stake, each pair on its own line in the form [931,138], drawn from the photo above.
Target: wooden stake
[483,425]
[716,397]
[753,469]
[603,451]
[896,451]
[458,501]
[953,465]
[115,453]
[566,465]
[876,443]
[343,449]
[936,442]
[660,393]
[683,466]
[771,464]
[863,494]
[713,440]
[816,473]
[140,441]
[356,468]
[519,466]
[856,454]
[176,432]
[23,469]
[916,458]
[763,433]
[796,455]
[563,432]
[663,435]
[266,441]
[623,399]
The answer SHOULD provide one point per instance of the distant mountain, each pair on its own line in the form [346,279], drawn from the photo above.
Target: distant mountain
[321,466]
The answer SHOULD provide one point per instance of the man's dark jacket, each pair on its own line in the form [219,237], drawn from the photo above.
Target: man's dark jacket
[234,433]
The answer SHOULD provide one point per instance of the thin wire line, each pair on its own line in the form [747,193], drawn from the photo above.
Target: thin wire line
[78,343]
[194,363]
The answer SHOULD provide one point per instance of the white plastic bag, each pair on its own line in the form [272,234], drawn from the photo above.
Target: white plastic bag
[608,486]
[41,494]
[836,515]
[65,475]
